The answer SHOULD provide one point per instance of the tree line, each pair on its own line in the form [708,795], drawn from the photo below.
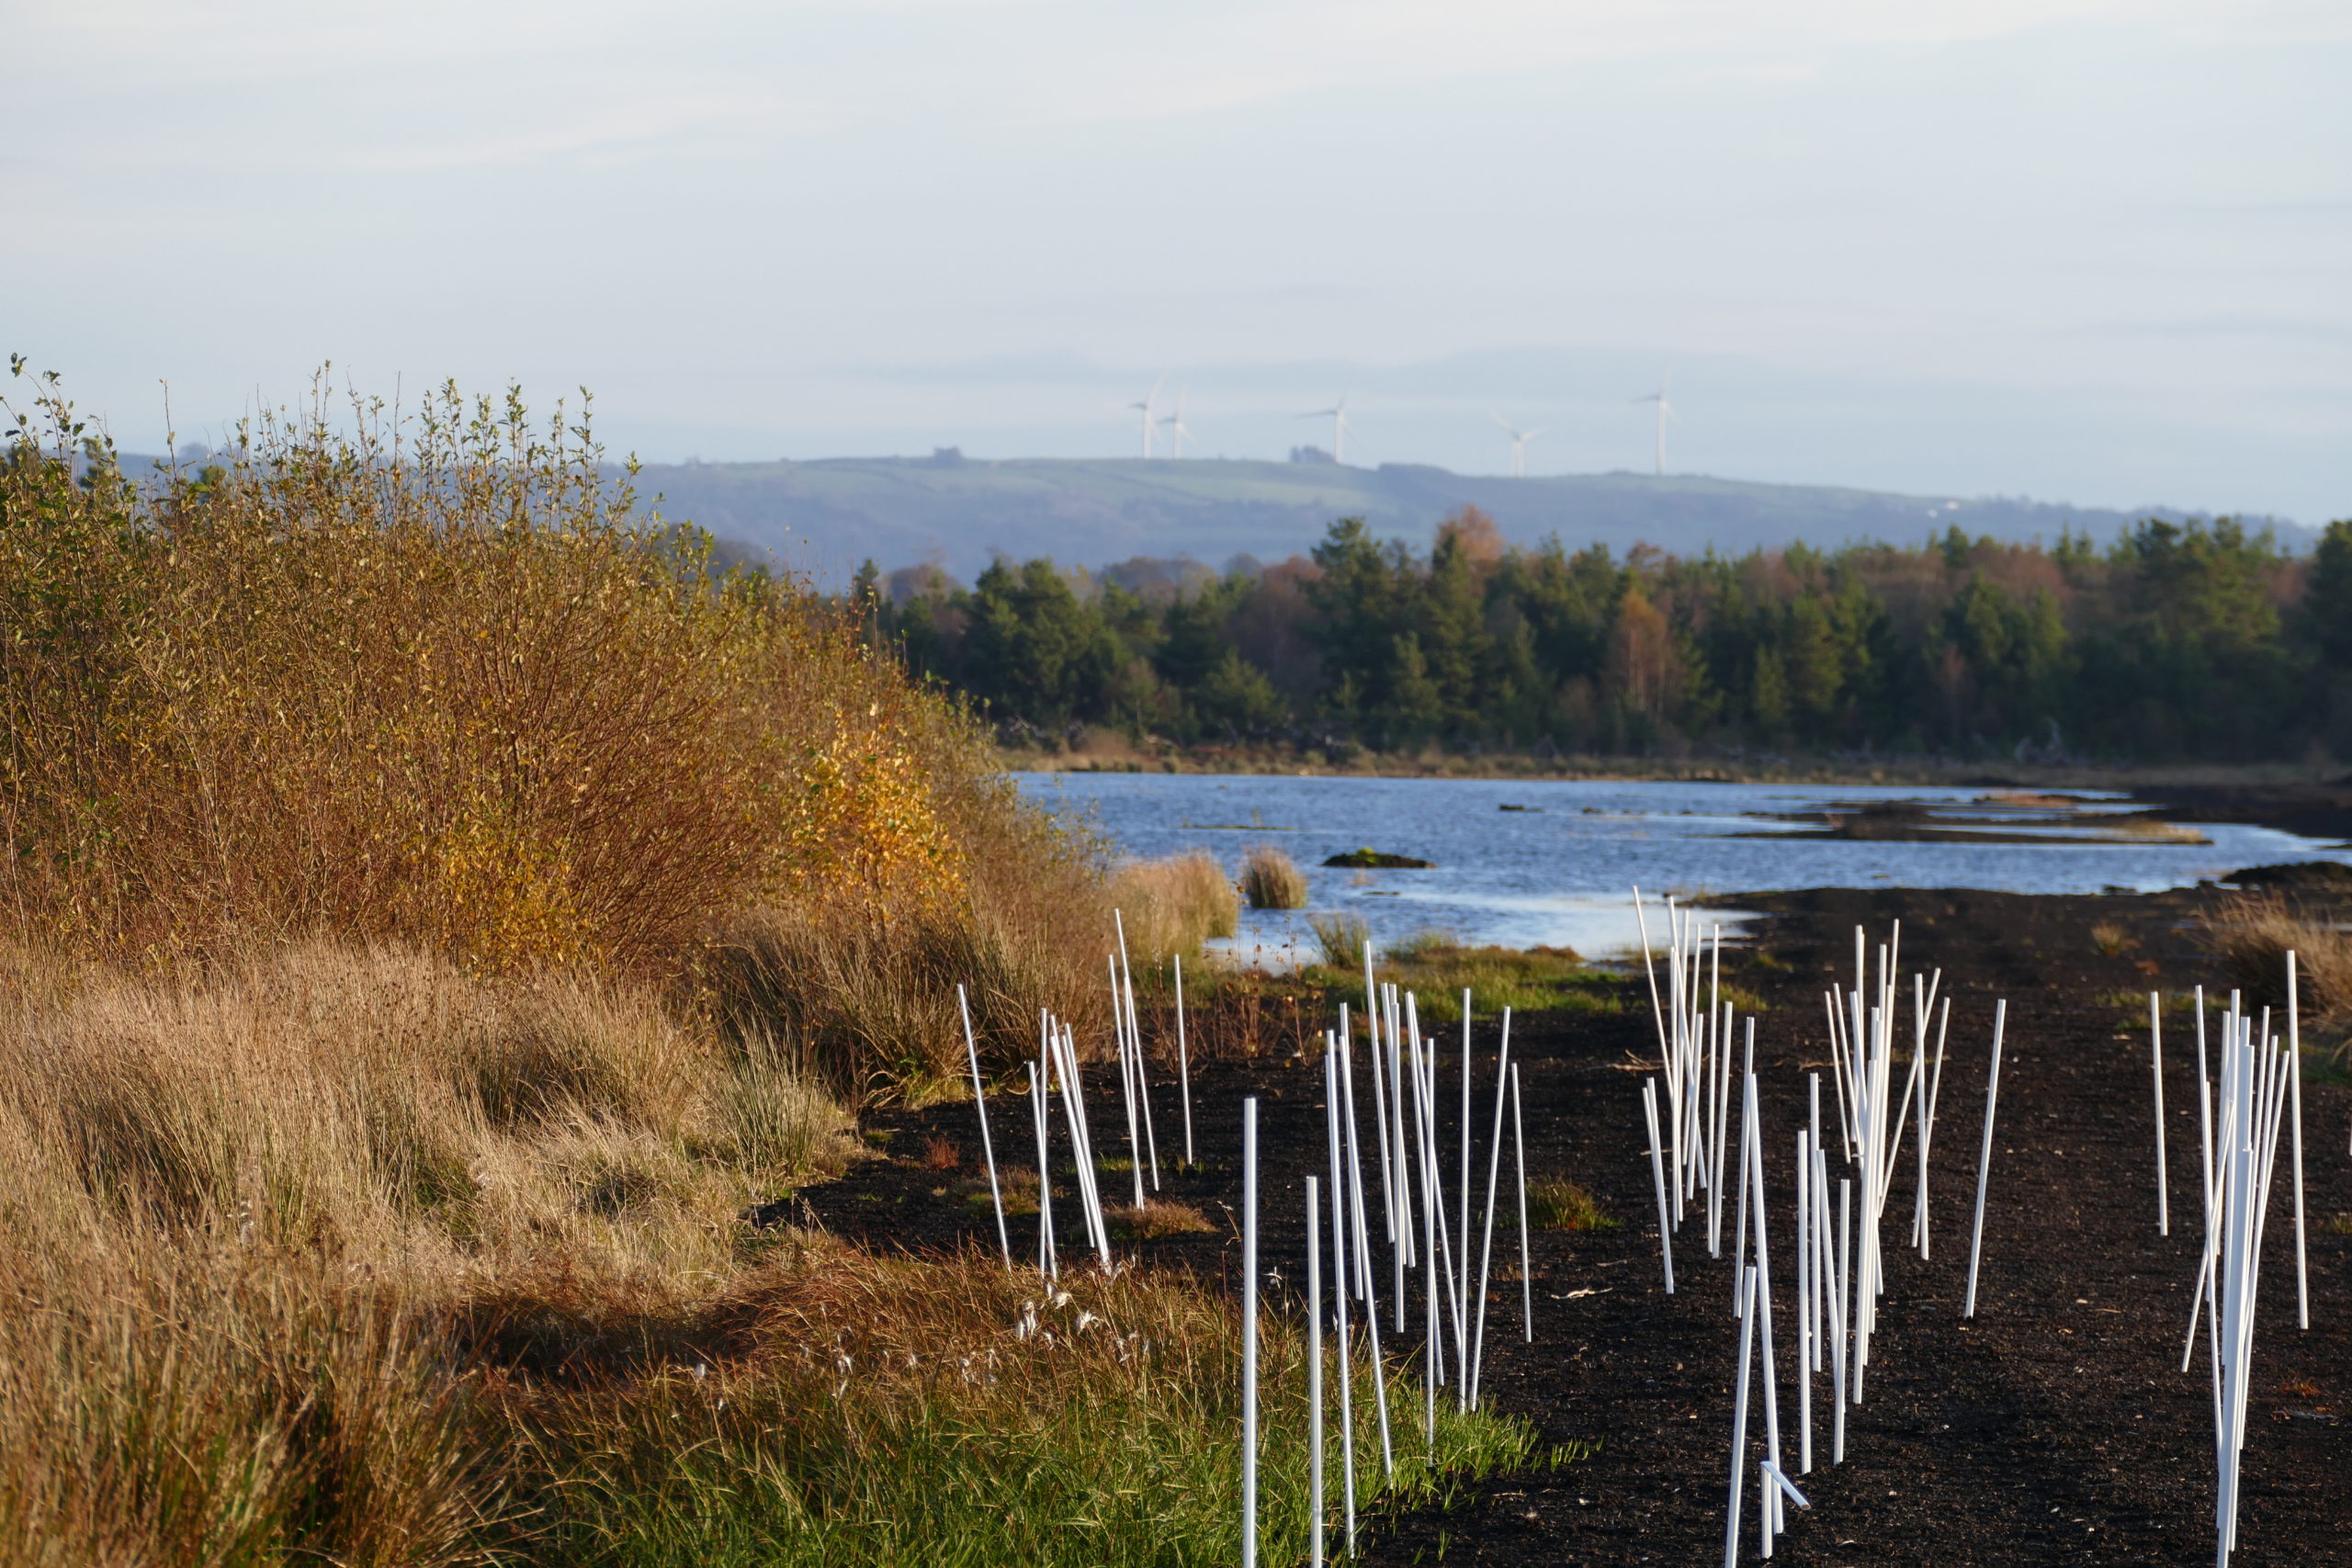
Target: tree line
[2202,639]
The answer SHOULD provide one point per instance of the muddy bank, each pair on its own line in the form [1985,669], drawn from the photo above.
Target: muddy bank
[2314,810]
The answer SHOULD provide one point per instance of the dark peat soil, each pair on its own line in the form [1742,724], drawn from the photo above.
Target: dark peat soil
[2057,1426]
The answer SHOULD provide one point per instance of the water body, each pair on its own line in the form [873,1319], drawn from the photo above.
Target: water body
[1559,869]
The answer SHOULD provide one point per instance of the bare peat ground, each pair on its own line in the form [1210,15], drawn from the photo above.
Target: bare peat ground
[2055,1427]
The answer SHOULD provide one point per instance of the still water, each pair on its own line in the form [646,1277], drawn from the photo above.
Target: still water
[1558,869]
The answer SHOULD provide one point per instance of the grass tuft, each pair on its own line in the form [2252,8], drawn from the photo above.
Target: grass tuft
[1340,938]
[1555,1203]
[2254,933]
[1157,1219]
[1271,880]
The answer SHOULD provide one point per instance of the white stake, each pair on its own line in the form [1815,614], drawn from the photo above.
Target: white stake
[980,1104]
[1518,1161]
[1493,1171]
[1804,1306]
[1780,1490]
[2156,1065]
[1339,1277]
[2295,1115]
[1747,1133]
[1314,1378]
[1143,1075]
[1135,1041]
[1183,1061]
[1047,1264]
[1721,1028]
[1764,1299]
[1425,1125]
[1657,1174]
[1359,1241]
[1927,1128]
[1403,1251]
[1364,1252]
[1839,1066]
[1739,1417]
[1127,1080]
[1658,1008]
[1379,1091]
[1250,1333]
[1825,1263]
[1845,1313]
[1081,1147]
[1984,1161]
[1461,1276]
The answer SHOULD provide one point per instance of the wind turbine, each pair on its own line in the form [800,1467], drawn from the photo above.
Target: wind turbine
[1519,440]
[1177,431]
[1144,408]
[1338,414]
[1664,408]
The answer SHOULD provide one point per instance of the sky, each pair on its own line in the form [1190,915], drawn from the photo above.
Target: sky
[2096,252]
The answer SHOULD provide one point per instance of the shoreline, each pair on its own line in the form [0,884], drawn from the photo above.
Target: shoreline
[1096,756]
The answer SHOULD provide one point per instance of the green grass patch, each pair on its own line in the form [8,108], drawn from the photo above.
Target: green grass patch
[1096,1429]
[1555,1203]
[1541,979]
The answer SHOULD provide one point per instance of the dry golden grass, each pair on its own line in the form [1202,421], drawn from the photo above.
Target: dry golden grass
[1271,880]
[868,994]
[244,1206]
[1172,905]
[1157,1219]
[2254,933]
[2111,939]
[2154,831]
[350,1256]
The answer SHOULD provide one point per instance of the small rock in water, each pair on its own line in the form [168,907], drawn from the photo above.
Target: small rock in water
[1376,860]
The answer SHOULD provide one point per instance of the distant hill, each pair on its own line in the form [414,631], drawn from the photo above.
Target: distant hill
[825,516]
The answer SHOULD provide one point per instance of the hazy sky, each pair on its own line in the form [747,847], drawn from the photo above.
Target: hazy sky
[2098,253]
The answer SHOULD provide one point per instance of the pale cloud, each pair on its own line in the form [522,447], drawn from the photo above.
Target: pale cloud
[439,84]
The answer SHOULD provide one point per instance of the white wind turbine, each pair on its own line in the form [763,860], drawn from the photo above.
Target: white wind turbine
[1177,431]
[1519,440]
[1663,408]
[1338,414]
[1144,408]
